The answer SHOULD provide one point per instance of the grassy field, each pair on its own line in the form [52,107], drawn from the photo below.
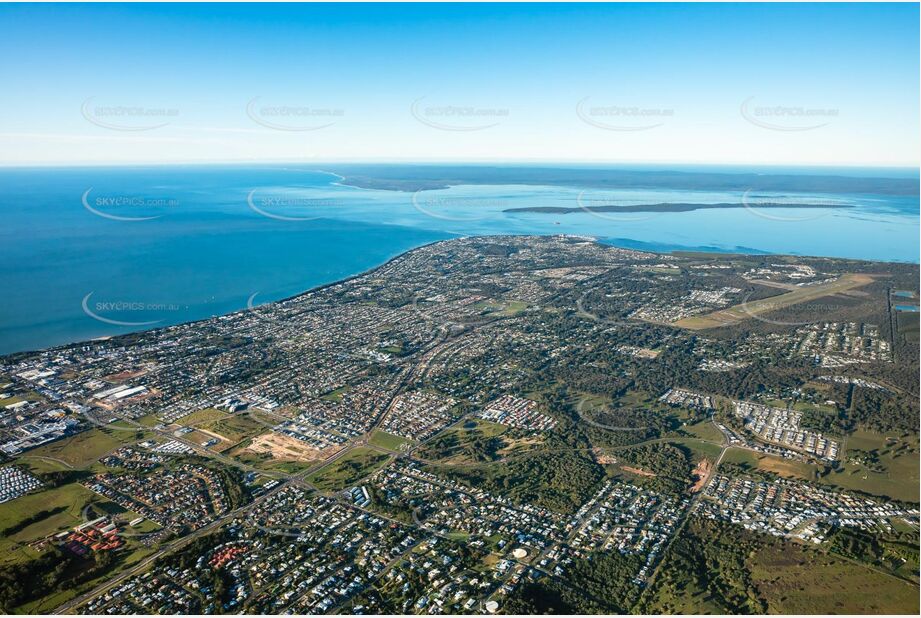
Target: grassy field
[387,440]
[899,481]
[794,580]
[787,468]
[84,448]
[212,422]
[38,465]
[699,449]
[348,469]
[24,396]
[502,307]
[66,502]
[776,403]
[895,475]
[202,416]
[469,442]
[233,428]
[483,428]
[744,311]
[149,420]
[719,568]
[823,408]
[336,395]
[705,430]
[264,461]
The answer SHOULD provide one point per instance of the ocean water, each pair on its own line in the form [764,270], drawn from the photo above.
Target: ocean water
[91,252]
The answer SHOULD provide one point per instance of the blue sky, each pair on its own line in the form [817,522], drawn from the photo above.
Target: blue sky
[729,83]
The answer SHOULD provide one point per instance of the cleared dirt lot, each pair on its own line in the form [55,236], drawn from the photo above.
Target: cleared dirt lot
[285,447]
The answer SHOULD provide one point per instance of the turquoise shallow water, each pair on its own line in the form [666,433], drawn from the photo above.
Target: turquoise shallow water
[146,247]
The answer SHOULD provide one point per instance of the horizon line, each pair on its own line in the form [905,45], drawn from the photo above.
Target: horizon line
[460,162]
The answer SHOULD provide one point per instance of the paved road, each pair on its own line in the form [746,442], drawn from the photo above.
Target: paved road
[46,458]
[687,514]
[415,369]
[173,545]
[285,480]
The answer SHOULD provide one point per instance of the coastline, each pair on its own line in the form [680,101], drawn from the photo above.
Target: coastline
[309,290]
[705,252]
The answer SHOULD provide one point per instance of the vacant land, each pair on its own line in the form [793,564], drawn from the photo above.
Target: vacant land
[336,395]
[232,428]
[502,308]
[149,420]
[64,506]
[788,468]
[705,430]
[638,471]
[744,311]
[899,481]
[202,416]
[699,449]
[472,442]
[714,567]
[281,447]
[349,469]
[84,448]
[879,464]
[387,441]
[795,580]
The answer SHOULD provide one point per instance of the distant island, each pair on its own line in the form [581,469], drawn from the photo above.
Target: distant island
[392,177]
[665,207]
